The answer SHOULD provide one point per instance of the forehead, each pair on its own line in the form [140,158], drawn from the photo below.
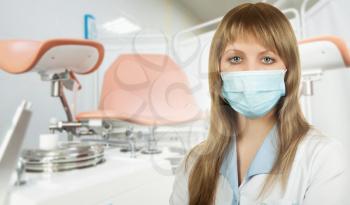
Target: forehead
[248,43]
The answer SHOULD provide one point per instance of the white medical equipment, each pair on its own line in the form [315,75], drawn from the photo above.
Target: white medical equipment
[317,55]
[118,178]
[146,179]
[10,148]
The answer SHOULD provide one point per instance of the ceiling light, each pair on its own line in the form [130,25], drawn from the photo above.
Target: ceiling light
[121,25]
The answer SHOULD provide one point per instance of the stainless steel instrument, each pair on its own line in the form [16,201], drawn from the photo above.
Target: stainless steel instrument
[67,156]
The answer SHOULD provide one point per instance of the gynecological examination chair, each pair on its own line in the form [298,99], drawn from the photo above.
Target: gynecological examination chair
[57,61]
[146,91]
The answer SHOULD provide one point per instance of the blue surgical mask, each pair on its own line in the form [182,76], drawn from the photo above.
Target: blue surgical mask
[253,93]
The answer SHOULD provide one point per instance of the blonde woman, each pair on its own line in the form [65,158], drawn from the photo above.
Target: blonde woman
[260,149]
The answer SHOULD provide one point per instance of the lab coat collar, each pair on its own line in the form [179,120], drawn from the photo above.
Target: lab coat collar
[261,164]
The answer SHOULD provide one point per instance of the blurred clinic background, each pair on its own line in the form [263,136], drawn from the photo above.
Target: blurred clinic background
[147,102]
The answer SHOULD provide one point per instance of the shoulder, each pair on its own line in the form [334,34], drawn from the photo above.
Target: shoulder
[179,193]
[318,151]
[315,142]
[323,162]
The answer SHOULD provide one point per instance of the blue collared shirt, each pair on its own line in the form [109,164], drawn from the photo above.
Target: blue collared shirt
[261,164]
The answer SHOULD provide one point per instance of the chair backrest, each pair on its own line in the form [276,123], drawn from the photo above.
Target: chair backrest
[51,56]
[148,86]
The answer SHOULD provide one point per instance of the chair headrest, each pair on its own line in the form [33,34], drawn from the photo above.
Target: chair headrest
[323,52]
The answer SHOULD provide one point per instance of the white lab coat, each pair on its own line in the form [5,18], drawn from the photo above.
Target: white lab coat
[319,176]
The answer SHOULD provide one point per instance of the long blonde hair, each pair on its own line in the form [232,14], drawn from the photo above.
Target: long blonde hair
[272,28]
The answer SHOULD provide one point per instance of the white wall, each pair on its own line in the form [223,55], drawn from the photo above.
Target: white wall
[42,19]
[329,17]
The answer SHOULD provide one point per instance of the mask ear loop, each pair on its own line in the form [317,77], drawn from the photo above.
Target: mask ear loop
[220,93]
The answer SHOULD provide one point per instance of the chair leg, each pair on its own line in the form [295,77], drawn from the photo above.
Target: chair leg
[131,141]
[151,143]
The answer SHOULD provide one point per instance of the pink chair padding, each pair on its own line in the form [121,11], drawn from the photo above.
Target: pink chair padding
[20,56]
[147,89]
[340,43]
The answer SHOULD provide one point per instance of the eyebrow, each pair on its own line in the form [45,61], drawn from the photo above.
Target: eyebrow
[237,50]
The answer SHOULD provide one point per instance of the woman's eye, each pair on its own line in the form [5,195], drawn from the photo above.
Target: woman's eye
[268,60]
[235,59]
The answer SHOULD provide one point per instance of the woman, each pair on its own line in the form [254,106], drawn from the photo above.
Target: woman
[260,149]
